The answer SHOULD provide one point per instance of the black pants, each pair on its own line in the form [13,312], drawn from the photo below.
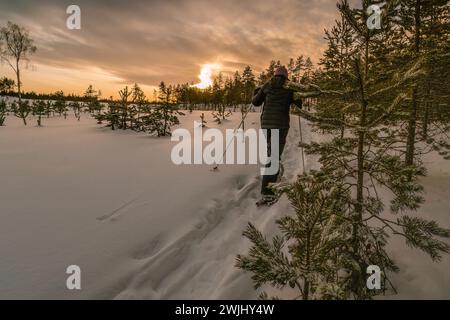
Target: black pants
[266,179]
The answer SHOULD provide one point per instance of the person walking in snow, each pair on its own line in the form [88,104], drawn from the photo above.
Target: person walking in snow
[277,100]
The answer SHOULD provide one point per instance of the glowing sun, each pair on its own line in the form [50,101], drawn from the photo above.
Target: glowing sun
[206,74]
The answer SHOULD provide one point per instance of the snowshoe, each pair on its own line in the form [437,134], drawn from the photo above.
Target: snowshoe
[267,201]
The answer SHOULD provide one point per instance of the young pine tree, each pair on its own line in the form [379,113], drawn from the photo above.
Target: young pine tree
[39,110]
[139,102]
[125,115]
[22,110]
[6,86]
[76,108]
[166,114]
[159,120]
[60,104]
[420,35]
[91,97]
[311,250]
[203,121]
[112,116]
[367,102]
[49,108]
[248,84]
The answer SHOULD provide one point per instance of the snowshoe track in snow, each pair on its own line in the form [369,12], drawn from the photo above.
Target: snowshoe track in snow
[116,213]
[199,264]
[171,262]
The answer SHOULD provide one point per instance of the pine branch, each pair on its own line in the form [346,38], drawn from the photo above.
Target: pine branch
[419,233]
[412,73]
[330,121]
[267,261]
[397,101]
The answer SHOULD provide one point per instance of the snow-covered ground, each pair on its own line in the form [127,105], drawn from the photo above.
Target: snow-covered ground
[113,203]
[419,277]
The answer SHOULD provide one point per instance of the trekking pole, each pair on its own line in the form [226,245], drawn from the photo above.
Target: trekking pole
[216,167]
[301,143]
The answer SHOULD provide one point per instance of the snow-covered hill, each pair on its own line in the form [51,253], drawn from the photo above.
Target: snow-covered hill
[113,203]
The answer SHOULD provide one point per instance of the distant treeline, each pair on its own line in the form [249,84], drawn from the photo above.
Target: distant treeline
[225,91]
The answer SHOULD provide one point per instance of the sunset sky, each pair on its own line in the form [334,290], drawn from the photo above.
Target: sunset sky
[122,42]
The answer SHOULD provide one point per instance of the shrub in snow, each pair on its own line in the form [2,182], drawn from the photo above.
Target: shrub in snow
[49,109]
[160,120]
[6,85]
[244,111]
[221,115]
[121,115]
[124,113]
[138,115]
[60,105]
[202,118]
[21,110]
[39,109]
[111,116]
[76,107]
[94,107]
[164,116]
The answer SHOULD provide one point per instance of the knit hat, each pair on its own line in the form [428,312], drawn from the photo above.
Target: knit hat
[281,71]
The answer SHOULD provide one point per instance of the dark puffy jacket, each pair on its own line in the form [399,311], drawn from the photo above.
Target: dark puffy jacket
[277,102]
